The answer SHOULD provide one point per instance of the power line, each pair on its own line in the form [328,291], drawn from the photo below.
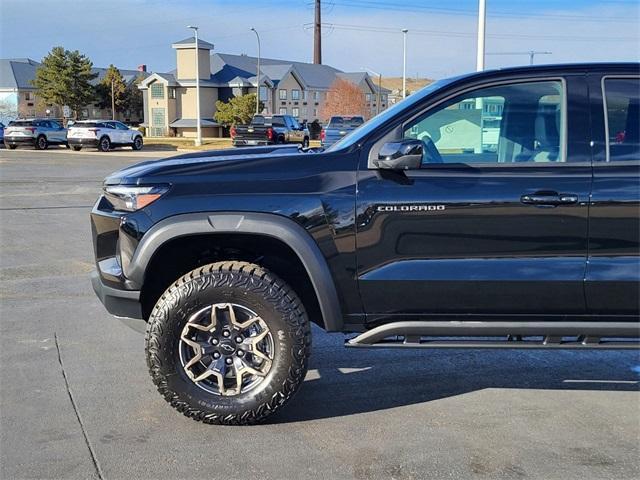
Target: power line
[472,13]
[443,33]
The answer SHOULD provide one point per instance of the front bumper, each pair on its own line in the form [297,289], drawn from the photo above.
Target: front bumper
[82,142]
[19,141]
[123,304]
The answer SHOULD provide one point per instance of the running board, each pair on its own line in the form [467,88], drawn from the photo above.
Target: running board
[469,334]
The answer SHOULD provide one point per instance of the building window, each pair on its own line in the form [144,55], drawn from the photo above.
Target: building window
[283,110]
[304,112]
[157,117]
[316,96]
[263,94]
[172,93]
[367,97]
[304,95]
[157,90]
[295,94]
[282,94]
[295,112]
[27,96]
[315,113]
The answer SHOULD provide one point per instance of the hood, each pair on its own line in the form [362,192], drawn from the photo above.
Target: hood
[200,162]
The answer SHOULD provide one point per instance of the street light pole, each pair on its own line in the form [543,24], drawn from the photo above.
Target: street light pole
[198,141]
[404,62]
[482,17]
[257,73]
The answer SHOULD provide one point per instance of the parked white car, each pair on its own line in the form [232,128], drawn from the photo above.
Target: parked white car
[36,132]
[103,135]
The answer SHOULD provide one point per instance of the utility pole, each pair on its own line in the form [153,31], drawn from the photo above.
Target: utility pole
[113,102]
[404,62]
[317,36]
[198,141]
[257,74]
[482,20]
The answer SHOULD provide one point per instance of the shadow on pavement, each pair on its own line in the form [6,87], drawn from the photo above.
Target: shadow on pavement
[372,380]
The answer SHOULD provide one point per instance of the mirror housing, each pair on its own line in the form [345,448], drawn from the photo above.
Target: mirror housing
[404,154]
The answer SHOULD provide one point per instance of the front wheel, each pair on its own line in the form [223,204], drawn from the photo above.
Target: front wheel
[12,147]
[137,143]
[77,148]
[41,143]
[305,142]
[228,343]
[104,145]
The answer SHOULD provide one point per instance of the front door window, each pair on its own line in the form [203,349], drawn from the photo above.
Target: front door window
[514,123]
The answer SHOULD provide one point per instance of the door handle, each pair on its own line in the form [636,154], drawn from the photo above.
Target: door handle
[549,199]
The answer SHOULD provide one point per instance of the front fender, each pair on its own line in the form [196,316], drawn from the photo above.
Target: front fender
[277,226]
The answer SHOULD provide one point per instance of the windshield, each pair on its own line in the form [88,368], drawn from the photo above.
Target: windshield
[345,122]
[379,120]
[21,123]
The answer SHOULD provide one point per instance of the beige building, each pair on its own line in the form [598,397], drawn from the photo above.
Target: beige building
[286,87]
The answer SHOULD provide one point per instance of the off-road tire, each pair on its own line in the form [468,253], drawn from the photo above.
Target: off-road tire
[104,145]
[233,282]
[137,143]
[41,143]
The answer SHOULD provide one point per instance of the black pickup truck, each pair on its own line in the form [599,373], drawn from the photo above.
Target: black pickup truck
[270,130]
[424,228]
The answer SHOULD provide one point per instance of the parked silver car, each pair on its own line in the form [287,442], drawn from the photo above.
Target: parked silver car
[36,132]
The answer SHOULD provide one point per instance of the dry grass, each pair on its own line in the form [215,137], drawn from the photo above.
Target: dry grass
[176,143]
[395,83]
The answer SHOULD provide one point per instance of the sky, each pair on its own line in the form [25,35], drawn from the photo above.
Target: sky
[357,34]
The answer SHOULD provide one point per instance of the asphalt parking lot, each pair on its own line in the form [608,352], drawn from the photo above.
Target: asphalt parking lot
[77,402]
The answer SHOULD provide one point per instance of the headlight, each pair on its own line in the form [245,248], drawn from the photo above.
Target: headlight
[130,198]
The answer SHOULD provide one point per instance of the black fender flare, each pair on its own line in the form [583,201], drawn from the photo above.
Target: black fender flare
[272,225]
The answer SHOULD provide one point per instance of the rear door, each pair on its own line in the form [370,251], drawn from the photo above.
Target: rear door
[613,272]
[496,222]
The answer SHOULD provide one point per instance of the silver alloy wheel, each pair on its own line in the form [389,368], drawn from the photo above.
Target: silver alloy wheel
[137,143]
[104,144]
[226,349]
[42,143]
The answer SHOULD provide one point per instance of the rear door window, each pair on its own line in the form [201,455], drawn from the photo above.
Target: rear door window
[622,109]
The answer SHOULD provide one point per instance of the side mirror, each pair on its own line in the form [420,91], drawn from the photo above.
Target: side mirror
[400,155]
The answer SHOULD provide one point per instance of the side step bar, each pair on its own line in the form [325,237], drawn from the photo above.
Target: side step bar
[470,334]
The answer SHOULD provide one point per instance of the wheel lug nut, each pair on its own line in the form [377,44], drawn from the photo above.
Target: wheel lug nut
[229,361]
[226,333]
[238,339]
[216,355]
[214,341]
[240,353]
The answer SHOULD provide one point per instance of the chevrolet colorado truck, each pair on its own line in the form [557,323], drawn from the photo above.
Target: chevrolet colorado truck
[269,130]
[413,231]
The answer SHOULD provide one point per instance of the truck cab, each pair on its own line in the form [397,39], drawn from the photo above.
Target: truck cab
[498,209]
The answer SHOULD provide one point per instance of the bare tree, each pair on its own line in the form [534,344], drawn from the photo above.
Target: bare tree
[343,98]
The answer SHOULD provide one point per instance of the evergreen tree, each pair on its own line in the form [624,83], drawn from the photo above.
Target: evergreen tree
[64,78]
